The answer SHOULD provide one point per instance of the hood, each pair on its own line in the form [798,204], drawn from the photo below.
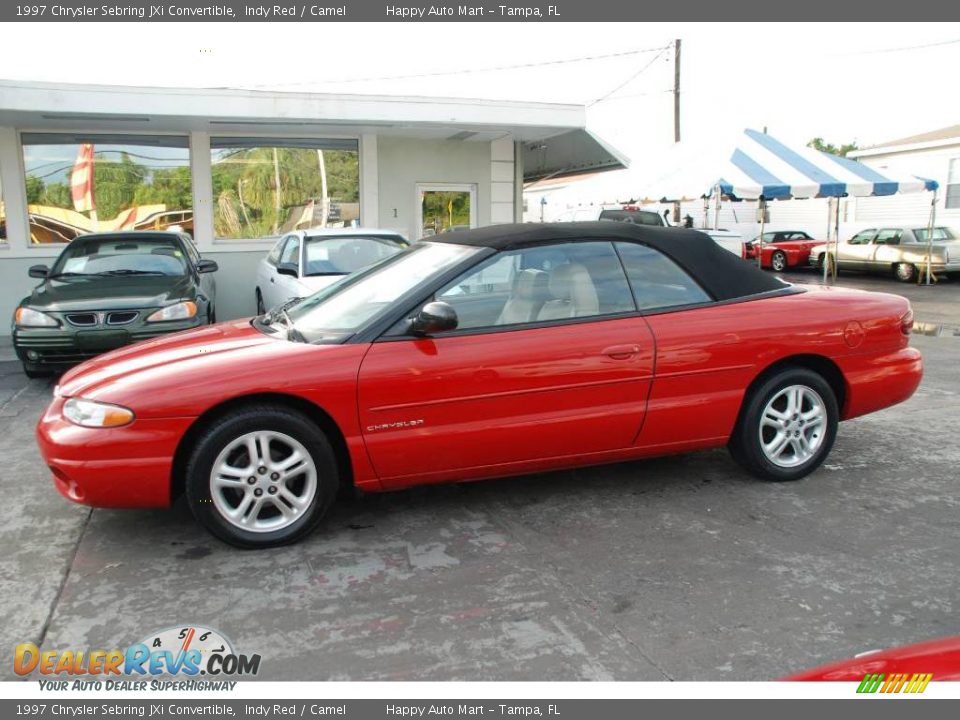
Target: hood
[110,293]
[167,351]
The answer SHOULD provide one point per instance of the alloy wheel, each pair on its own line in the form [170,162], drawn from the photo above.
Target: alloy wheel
[792,426]
[263,481]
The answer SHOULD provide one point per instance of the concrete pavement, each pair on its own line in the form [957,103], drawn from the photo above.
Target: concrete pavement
[676,568]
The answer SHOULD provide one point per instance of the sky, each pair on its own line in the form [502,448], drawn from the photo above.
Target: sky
[843,82]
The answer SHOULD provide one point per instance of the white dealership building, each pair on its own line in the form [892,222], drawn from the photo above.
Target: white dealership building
[238,168]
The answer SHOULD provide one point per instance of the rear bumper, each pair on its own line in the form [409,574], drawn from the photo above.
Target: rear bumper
[117,467]
[57,348]
[875,382]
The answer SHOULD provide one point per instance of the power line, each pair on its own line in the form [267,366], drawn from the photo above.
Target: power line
[469,71]
[903,49]
[633,77]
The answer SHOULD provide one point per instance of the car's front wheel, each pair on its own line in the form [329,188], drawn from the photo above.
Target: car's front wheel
[33,372]
[262,476]
[778,261]
[787,425]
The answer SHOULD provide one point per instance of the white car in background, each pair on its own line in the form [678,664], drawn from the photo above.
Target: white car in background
[306,261]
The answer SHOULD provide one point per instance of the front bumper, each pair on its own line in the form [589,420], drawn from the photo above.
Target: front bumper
[126,467]
[61,348]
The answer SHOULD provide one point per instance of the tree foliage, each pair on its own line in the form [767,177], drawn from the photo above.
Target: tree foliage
[246,193]
[818,143]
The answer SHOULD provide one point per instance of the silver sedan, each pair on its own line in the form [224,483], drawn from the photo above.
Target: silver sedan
[901,251]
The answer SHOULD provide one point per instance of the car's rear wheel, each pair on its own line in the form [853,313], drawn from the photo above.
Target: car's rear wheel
[261,310]
[778,261]
[262,476]
[787,425]
[905,272]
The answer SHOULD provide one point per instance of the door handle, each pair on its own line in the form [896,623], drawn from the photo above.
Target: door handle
[621,352]
[272,280]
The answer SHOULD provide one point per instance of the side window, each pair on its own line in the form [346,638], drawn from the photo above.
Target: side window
[863,238]
[540,284]
[888,237]
[274,257]
[291,253]
[657,281]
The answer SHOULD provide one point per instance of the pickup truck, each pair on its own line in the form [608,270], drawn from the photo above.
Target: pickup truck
[727,239]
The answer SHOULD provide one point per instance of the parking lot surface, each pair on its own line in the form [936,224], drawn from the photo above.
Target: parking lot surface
[677,568]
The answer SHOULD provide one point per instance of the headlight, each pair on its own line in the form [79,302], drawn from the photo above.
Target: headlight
[181,311]
[27,317]
[96,414]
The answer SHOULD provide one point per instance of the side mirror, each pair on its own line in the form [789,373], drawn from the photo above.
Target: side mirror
[287,269]
[434,317]
[207,266]
[38,271]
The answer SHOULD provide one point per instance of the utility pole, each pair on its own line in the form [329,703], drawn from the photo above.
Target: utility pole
[676,90]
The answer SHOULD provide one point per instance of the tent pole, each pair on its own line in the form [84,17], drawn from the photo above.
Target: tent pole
[763,218]
[716,209]
[933,220]
[826,253]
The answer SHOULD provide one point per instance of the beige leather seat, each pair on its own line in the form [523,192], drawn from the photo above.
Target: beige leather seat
[527,297]
[573,294]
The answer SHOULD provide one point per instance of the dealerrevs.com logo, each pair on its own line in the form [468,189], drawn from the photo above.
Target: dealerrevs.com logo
[895,683]
[185,652]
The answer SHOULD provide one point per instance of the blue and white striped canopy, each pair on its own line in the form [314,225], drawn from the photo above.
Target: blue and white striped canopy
[763,166]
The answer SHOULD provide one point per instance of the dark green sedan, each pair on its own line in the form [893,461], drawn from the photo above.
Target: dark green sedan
[108,290]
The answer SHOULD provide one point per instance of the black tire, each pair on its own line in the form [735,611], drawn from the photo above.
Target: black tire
[745,442]
[778,261]
[248,419]
[905,272]
[35,373]
[261,310]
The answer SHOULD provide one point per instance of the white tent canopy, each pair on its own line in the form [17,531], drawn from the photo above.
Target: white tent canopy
[749,166]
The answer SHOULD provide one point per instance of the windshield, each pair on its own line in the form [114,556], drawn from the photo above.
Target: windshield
[341,309]
[344,255]
[939,233]
[154,256]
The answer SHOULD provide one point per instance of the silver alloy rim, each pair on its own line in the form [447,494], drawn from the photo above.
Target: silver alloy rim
[904,271]
[792,426]
[778,262]
[263,481]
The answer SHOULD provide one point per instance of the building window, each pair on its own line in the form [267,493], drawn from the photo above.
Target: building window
[953,185]
[263,188]
[79,183]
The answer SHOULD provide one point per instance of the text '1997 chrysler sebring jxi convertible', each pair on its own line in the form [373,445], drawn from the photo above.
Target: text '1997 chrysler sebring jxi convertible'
[485,353]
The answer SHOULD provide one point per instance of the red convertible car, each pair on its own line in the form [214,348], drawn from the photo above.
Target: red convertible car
[782,249]
[490,352]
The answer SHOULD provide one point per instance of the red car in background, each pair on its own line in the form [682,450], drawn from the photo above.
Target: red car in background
[782,249]
[940,658]
[478,354]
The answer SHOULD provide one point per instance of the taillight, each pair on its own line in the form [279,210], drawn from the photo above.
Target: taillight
[906,322]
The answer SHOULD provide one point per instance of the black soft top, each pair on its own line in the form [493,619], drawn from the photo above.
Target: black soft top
[719,272]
